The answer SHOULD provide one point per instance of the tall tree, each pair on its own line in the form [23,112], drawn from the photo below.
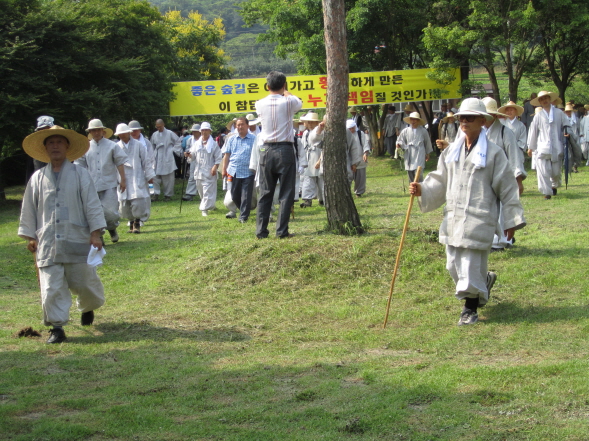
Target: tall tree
[342,215]
[563,25]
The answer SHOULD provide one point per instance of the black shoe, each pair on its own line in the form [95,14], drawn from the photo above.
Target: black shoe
[87,318]
[114,236]
[187,197]
[57,335]
[547,196]
[554,191]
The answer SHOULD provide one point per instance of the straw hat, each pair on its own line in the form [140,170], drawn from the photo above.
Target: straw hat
[449,115]
[414,115]
[519,109]
[352,109]
[491,106]
[407,108]
[569,108]
[473,106]
[537,110]
[44,122]
[33,144]
[97,124]
[134,125]
[230,123]
[586,106]
[195,128]
[311,116]
[559,106]
[557,102]
[553,97]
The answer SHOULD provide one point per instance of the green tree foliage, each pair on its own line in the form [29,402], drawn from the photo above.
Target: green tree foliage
[563,27]
[196,42]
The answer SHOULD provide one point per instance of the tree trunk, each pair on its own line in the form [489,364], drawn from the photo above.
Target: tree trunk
[342,216]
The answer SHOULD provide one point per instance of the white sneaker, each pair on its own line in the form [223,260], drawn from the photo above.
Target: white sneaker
[231,215]
[205,213]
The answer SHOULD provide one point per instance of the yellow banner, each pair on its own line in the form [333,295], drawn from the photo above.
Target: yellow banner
[235,96]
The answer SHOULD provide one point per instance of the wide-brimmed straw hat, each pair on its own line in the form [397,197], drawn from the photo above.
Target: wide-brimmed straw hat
[473,106]
[553,97]
[123,128]
[569,108]
[537,110]
[230,123]
[33,144]
[311,116]
[414,115]
[195,128]
[511,105]
[491,106]
[407,108]
[134,125]
[586,106]
[448,115]
[352,109]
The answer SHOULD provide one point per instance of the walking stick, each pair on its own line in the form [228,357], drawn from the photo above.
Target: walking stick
[183,180]
[386,317]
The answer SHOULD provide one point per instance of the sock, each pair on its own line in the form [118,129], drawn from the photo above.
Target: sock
[471,303]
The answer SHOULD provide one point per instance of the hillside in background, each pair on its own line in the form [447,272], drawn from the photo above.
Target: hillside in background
[248,57]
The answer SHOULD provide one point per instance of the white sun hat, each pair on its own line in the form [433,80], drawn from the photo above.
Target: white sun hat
[123,128]
[205,126]
[473,106]
[134,125]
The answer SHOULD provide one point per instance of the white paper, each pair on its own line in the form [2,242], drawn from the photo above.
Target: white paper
[95,256]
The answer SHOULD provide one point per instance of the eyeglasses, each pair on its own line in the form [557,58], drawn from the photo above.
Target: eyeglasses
[467,118]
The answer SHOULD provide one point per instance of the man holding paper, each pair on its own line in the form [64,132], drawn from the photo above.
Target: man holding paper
[61,218]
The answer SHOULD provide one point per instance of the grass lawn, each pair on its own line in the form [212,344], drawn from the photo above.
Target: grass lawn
[210,334]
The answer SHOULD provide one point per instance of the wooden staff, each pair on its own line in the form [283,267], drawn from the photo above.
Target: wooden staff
[386,317]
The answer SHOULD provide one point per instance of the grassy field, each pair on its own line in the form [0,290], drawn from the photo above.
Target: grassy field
[210,334]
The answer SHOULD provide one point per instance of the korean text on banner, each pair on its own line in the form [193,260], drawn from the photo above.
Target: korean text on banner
[235,96]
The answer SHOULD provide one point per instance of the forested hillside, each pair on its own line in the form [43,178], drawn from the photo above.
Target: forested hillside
[248,58]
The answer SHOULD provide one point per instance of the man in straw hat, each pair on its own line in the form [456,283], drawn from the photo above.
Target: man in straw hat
[166,144]
[391,129]
[104,160]
[415,141]
[61,217]
[545,138]
[448,128]
[363,147]
[312,142]
[205,154]
[135,202]
[191,184]
[513,111]
[504,137]
[473,175]
[253,124]
[278,159]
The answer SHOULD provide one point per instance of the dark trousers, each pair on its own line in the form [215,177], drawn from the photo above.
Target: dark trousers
[412,173]
[277,161]
[241,193]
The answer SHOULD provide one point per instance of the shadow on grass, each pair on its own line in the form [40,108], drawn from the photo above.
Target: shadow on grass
[521,251]
[509,312]
[128,331]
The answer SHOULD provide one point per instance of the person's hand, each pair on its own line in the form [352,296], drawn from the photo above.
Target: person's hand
[509,233]
[224,173]
[95,239]
[566,135]
[214,170]
[150,181]
[317,165]
[520,184]
[186,154]
[530,153]
[426,158]
[354,168]
[122,186]
[415,189]
[365,157]
[442,144]
[32,245]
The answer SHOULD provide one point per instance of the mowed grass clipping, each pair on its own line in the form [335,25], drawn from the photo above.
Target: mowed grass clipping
[210,334]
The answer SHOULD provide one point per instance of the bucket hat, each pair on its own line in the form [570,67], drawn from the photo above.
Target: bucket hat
[195,128]
[134,125]
[44,122]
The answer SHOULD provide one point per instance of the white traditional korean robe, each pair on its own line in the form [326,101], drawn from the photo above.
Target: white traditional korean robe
[166,144]
[135,201]
[60,214]
[449,131]
[360,175]
[547,140]
[416,144]
[471,214]
[312,142]
[520,131]
[584,135]
[102,160]
[205,155]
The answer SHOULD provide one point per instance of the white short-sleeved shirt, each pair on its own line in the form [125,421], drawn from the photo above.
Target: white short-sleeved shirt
[277,113]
